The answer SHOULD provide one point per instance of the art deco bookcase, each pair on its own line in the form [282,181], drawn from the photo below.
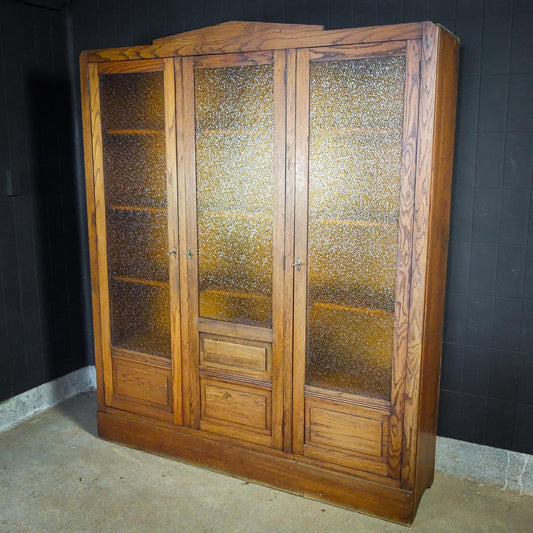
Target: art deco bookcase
[268,210]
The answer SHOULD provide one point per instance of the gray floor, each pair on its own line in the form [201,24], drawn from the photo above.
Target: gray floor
[56,475]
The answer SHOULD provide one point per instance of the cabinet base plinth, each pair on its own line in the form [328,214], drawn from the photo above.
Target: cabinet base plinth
[271,468]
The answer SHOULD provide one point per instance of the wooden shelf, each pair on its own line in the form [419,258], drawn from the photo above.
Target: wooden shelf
[154,283]
[248,295]
[231,214]
[351,309]
[233,131]
[137,208]
[134,132]
[345,131]
[354,222]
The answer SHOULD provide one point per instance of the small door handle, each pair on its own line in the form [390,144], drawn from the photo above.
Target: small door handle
[188,254]
[298,264]
[173,252]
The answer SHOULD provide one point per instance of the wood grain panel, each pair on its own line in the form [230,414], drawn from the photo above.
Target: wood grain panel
[236,404]
[233,60]
[232,37]
[91,226]
[288,273]
[300,244]
[142,386]
[229,329]
[360,51]
[123,67]
[325,427]
[405,235]
[244,355]
[278,247]
[442,161]
[173,235]
[101,234]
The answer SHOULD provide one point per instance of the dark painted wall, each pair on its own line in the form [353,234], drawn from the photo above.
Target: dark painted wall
[42,325]
[487,378]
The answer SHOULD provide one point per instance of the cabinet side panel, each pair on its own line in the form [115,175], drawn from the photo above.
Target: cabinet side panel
[442,161]
[91,223]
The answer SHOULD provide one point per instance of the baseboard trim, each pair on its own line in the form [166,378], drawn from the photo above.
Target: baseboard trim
[17,409]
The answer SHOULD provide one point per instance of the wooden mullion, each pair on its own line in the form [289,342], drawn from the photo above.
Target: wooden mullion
[173,236]
[300,245]
[278,321]
[188,240]
[288,294]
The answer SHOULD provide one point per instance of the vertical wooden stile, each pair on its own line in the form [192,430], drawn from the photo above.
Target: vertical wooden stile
[300,244]
[85,73]
[403,283]
[426,117]
[278,248]
[99,196]
[173,237]
[188,265]
[290,162]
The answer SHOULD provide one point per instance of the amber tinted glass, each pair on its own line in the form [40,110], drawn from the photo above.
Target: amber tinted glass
[132,111]
[355,146]
[234,169]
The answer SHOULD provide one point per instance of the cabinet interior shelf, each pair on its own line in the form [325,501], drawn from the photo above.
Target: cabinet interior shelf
[138,208]
[341,131]
[134,132]
[236,294]
[233,131]
[355,222]
[351,309]
[320,305]
[154,283]
[232,214]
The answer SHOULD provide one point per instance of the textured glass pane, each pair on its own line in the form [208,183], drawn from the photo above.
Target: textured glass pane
[137,244]
[355,146]
[135,169]
[132,101]
[140,319]
[234,155]
[132,110]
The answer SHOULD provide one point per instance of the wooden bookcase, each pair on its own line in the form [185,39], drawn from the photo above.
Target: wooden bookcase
[268,210]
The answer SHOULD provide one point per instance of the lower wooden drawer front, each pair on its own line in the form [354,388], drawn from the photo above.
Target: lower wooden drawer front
[142,388]
[237,410]
[349,435]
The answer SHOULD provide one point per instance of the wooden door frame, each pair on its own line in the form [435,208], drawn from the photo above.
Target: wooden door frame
[192,323]
[409,49]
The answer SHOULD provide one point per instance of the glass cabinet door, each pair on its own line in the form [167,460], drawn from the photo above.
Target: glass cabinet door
[234,125]
[133,178]
[350,225]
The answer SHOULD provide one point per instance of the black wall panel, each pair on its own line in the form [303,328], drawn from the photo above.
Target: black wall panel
[43,328]
[487,372]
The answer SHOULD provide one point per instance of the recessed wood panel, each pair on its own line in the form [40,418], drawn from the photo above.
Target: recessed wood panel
[346,433]
[349,432]
[142,384]
[242,405]
[237,355]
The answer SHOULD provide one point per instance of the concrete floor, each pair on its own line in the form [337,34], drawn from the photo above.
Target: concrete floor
[56,475]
